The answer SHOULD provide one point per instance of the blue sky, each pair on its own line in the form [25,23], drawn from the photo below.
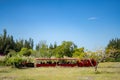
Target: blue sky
[88,23]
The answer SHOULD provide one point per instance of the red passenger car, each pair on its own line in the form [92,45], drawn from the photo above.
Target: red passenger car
[64,62]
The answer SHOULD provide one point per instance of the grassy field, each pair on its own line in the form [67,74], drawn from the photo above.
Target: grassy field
[106,71]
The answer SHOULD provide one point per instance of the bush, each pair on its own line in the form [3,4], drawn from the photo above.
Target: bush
[2,60]
[109,59]
[15,61]
[25,52]
[29,64]
[30,59]
[117,60]
[19,59]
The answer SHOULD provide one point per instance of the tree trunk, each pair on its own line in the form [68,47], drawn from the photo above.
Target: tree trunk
[96,66]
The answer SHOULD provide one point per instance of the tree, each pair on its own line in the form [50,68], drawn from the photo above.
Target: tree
[19,45]
[113,49]
[55,45]
[25,52]
[29,43]
[6,42]
[3,42]
[65,49]
[42,49]
[51,49]
[97,56]
[51,46]
[79,53]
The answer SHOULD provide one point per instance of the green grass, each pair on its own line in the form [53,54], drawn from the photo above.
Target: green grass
[106,71]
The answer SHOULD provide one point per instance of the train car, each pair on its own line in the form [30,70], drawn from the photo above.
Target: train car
[86,63]
[64,62]
[48,62]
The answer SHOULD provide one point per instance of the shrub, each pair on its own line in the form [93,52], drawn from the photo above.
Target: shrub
[25,52]
[19,59]
[110,59]
[2,60]
[15,61]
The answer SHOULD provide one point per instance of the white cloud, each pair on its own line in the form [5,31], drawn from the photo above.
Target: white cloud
[92,18]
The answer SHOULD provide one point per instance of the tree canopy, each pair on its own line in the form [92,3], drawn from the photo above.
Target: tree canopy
[113,49]
[65,49]
[8,43]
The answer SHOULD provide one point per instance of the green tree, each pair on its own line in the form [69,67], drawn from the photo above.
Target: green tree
[28,43]
[55,45]
[65,49]
[42,49]
[51,46]
[19,45]
[6,42]
[26,52]
[79,53]
[113,50]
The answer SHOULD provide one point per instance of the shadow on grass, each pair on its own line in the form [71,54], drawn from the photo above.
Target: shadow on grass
[7,78]
[4,71]
[106,72]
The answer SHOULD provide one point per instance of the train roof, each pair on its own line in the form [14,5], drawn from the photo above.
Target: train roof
[56,59]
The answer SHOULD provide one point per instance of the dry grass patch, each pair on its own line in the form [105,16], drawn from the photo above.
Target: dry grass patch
[107,71]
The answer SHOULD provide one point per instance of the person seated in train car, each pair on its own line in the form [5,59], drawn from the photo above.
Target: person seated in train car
[58,63]
[54,62]
[68,62]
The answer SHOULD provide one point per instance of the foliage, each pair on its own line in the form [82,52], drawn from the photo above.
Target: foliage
[26,52]
[7,43]
[79,53]
[12,47]
[52,49]
[19,44]
[65,49]
[29,59]
[98,56]
[17,59]
[113,49]
[2,60]
[42,50]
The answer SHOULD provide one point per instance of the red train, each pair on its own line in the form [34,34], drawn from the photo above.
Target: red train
[65,62]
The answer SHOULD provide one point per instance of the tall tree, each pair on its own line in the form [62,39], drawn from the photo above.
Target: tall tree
[65,49]
[55,45]
[42,49]
[6,42]
[79,53]
[51,46]
[19,45]
[113,49]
